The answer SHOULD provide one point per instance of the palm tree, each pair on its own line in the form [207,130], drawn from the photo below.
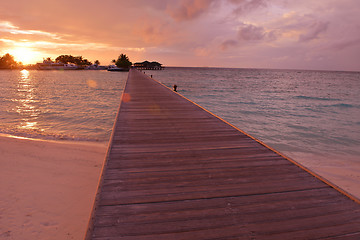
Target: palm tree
[123,62]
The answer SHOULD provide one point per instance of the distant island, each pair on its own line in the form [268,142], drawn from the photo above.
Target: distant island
[69,62]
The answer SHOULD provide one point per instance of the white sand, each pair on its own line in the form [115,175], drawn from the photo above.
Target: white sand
[341,171]
[47,188]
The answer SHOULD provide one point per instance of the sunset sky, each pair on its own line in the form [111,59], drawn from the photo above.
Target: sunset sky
[286,34]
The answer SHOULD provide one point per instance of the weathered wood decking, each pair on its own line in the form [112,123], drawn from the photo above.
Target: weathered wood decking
[175,171]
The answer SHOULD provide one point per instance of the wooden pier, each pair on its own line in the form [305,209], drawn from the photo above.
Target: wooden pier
[176,171]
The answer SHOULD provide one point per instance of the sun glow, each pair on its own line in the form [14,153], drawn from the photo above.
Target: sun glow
[25,55]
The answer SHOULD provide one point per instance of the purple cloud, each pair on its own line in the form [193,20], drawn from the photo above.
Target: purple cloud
[314,31]
[245,6]
[229,44]
[249,32]
[340,45]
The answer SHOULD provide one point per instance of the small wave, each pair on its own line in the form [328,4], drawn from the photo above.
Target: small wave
[342,105]
[301,116]
[315,110]
[47,136]
[238,102]
[316,98]
[298,127]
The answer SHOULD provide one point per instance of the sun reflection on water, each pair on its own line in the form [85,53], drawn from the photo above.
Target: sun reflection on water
[26,102]
[24,74]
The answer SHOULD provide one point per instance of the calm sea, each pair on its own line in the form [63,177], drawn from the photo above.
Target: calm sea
[300,113]
[67,105]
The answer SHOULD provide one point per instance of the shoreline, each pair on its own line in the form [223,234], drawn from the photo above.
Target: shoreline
[48,187]
[64,140]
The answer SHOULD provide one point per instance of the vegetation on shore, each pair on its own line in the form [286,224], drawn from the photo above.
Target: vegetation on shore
[8,62]
[122,62]
[79,60]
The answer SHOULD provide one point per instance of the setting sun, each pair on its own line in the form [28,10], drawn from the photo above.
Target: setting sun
[25,55]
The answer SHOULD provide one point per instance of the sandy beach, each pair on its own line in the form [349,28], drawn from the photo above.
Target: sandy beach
[47,188]
[342,171]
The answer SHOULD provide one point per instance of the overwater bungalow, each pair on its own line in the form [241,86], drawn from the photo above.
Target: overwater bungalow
[146,65]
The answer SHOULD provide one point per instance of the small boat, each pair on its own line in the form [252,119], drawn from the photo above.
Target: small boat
[70,66]
[48,64]
[114,68]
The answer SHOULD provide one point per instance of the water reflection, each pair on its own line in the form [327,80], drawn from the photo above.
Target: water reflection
[27,103]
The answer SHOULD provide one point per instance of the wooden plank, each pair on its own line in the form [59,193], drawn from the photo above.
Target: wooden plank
[234,226]
[175,171]
[272,201]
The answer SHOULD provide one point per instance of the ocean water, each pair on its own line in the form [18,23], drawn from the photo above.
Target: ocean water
[304,114]
[67,105]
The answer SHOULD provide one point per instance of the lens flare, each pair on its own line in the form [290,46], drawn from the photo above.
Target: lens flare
[91,83]
[126,97]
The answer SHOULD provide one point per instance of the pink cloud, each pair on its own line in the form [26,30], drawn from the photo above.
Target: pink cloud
[157,32]
[189,9]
